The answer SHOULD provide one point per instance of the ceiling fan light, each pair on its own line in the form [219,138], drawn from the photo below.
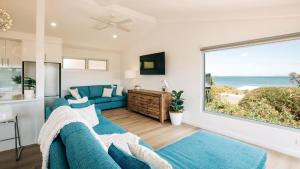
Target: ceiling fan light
[115,36]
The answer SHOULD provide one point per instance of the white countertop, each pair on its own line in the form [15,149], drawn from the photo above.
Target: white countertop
[17,99]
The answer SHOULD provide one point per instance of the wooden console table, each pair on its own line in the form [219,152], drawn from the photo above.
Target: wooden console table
[151,103]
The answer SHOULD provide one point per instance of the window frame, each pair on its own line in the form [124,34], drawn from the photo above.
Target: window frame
[254,42]
[63,60]
[91,59]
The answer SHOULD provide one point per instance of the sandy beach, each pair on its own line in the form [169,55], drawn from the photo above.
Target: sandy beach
[235,98]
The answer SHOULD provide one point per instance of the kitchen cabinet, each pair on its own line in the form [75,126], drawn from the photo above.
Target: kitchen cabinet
[2,52]
[53,51]
[13,53]
[10,53]
[28,50]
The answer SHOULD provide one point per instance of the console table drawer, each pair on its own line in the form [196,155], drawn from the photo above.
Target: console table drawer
[152,103]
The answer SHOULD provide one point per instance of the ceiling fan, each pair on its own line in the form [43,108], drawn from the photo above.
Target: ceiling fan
[109,22]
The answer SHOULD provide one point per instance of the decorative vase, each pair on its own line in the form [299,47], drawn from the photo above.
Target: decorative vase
[28,94]
[176,118]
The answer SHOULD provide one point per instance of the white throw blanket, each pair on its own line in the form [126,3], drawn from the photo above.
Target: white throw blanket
[59,118]
[119,140]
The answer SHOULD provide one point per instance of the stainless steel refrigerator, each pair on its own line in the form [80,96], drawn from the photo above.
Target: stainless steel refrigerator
[52,79]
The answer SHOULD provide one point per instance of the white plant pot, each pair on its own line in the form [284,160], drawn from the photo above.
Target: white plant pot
[28,94]
[176,118]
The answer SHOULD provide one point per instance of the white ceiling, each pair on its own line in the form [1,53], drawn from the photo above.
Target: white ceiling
[75,27]
[199,10]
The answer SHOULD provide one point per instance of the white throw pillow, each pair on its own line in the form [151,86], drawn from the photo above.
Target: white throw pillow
[107,92]
[119,90]
[75,93]
[89,115]
[145,154]
[78,101]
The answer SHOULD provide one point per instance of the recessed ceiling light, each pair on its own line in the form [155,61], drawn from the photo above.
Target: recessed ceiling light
[53,24]
[115,36]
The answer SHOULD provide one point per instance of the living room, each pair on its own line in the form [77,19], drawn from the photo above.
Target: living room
[115,35]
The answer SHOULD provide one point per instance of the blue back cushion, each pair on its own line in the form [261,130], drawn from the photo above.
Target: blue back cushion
[125,160]
[80,105]
[83,90]
[97,90]
[83,150]
[114,90]
[48,111]
[59,102]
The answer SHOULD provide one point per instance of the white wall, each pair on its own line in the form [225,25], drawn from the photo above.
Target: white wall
[91,77]
[184,70]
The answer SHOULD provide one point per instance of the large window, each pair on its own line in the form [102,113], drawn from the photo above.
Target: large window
[260,82]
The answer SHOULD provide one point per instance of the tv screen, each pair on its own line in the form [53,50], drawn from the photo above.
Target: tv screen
[153,64]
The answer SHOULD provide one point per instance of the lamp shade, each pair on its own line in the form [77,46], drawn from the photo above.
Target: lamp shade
[130,74]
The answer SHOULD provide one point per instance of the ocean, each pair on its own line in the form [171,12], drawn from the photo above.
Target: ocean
[255,81]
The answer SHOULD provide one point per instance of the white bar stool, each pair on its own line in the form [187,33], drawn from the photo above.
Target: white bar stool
[7,116]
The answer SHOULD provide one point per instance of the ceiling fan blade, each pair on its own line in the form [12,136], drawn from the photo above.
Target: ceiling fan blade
[100,28]
[124,21]
[123,28]
[100,20]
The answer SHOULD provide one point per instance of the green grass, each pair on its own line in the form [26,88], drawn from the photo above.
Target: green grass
[277,105]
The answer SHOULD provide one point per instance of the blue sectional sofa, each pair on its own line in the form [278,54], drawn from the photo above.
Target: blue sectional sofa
[94,93]
[76,148]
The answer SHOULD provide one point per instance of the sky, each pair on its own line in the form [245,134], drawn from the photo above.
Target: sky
[274,59]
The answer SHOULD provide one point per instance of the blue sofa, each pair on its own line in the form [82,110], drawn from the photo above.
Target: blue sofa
[94,93]
[76,148]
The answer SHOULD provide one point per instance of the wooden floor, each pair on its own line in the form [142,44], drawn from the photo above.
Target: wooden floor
[154,133]
[31,159]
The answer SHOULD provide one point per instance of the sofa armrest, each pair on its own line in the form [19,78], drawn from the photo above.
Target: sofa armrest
[125,94]
[83,150]
[57,155]
[48,111]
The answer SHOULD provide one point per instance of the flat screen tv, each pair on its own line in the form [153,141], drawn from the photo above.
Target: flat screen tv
[153,64]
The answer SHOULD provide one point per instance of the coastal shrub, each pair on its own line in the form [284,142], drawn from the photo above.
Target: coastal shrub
[259,111]
[225,107]
[281,99]
[262,111]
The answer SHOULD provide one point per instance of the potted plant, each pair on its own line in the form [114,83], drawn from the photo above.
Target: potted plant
[176,107]
[29,87]
[18,80]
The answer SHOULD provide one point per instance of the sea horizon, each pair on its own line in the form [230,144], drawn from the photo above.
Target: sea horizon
[253,81]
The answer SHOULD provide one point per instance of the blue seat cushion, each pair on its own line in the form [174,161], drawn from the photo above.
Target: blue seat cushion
[102,100]
[83,150]
[125,160]
[92,101]
[83,90]
[207,150]
[118,98]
